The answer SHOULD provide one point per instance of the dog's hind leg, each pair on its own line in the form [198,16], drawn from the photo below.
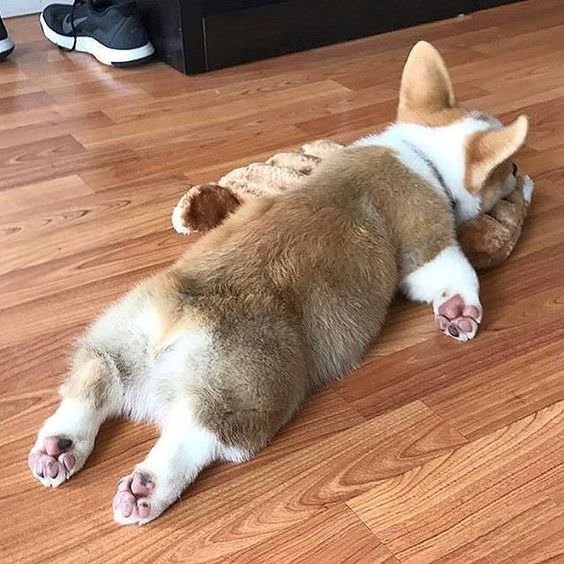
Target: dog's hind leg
[184,448]
[66,439]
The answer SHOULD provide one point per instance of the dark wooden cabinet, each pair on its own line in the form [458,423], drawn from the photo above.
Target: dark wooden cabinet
[199,35]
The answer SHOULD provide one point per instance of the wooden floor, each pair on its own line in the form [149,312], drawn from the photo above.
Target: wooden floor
[432,450]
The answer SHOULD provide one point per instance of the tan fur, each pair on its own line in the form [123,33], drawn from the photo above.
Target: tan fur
[89,379]
[284,297]
[427,98]
[490,150]
[298,286]
[304,279]
[434,104]
[291,290]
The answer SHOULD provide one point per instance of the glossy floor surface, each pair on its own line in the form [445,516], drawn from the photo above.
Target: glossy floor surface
[432,450]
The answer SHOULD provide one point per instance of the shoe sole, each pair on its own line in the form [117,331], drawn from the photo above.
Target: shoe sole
[6,47]
[106,55]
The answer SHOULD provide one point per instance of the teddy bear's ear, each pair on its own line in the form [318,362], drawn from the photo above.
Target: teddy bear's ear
[203,207]
[426,87]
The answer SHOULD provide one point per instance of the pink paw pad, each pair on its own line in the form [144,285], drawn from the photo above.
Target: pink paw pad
[132,502]
[458,320]
[52,462]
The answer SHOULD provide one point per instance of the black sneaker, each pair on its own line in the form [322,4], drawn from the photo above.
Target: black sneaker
[110,30]
[6,44]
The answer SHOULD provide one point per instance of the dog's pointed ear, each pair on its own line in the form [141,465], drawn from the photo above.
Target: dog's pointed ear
[487,149]
[426,87]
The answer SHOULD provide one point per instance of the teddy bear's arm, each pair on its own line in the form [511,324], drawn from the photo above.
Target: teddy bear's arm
[489,239]
[321,148]
[260,179]
[203,207]
[295,160]
[486,242]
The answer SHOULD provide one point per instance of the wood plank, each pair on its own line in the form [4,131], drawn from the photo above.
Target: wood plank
[300,95]
[53,128]
[335,535]
[212,522]
[495,486]
[23,102]
[92,160]
[399,367]
[14,202]
[59,156]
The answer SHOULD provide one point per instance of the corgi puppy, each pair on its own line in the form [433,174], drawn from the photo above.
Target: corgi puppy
[286,296]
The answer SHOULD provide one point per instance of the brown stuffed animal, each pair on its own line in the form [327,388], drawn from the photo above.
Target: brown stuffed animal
[487,241]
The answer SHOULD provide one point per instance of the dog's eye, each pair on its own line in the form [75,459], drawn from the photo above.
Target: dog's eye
[515,169]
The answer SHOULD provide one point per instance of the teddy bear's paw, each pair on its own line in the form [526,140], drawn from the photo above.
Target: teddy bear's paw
[203,207]
[528,187]
[297,161]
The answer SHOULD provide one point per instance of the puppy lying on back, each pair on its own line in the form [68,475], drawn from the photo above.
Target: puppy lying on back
[286,296]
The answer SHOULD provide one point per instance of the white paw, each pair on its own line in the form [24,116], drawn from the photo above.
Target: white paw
[54,459]
[137,500]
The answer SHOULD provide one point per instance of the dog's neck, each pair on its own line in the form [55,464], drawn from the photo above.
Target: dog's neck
[436,154]
[438,177]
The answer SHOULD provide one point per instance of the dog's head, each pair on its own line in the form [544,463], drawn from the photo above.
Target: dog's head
[480,143]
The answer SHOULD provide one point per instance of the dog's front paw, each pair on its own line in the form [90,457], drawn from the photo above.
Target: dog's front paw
[456,318]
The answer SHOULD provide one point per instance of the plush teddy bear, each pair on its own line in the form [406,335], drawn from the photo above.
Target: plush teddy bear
[487,240]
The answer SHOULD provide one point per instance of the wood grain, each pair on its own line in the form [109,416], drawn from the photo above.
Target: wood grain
[316,540]
[430,451]
[439,508]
